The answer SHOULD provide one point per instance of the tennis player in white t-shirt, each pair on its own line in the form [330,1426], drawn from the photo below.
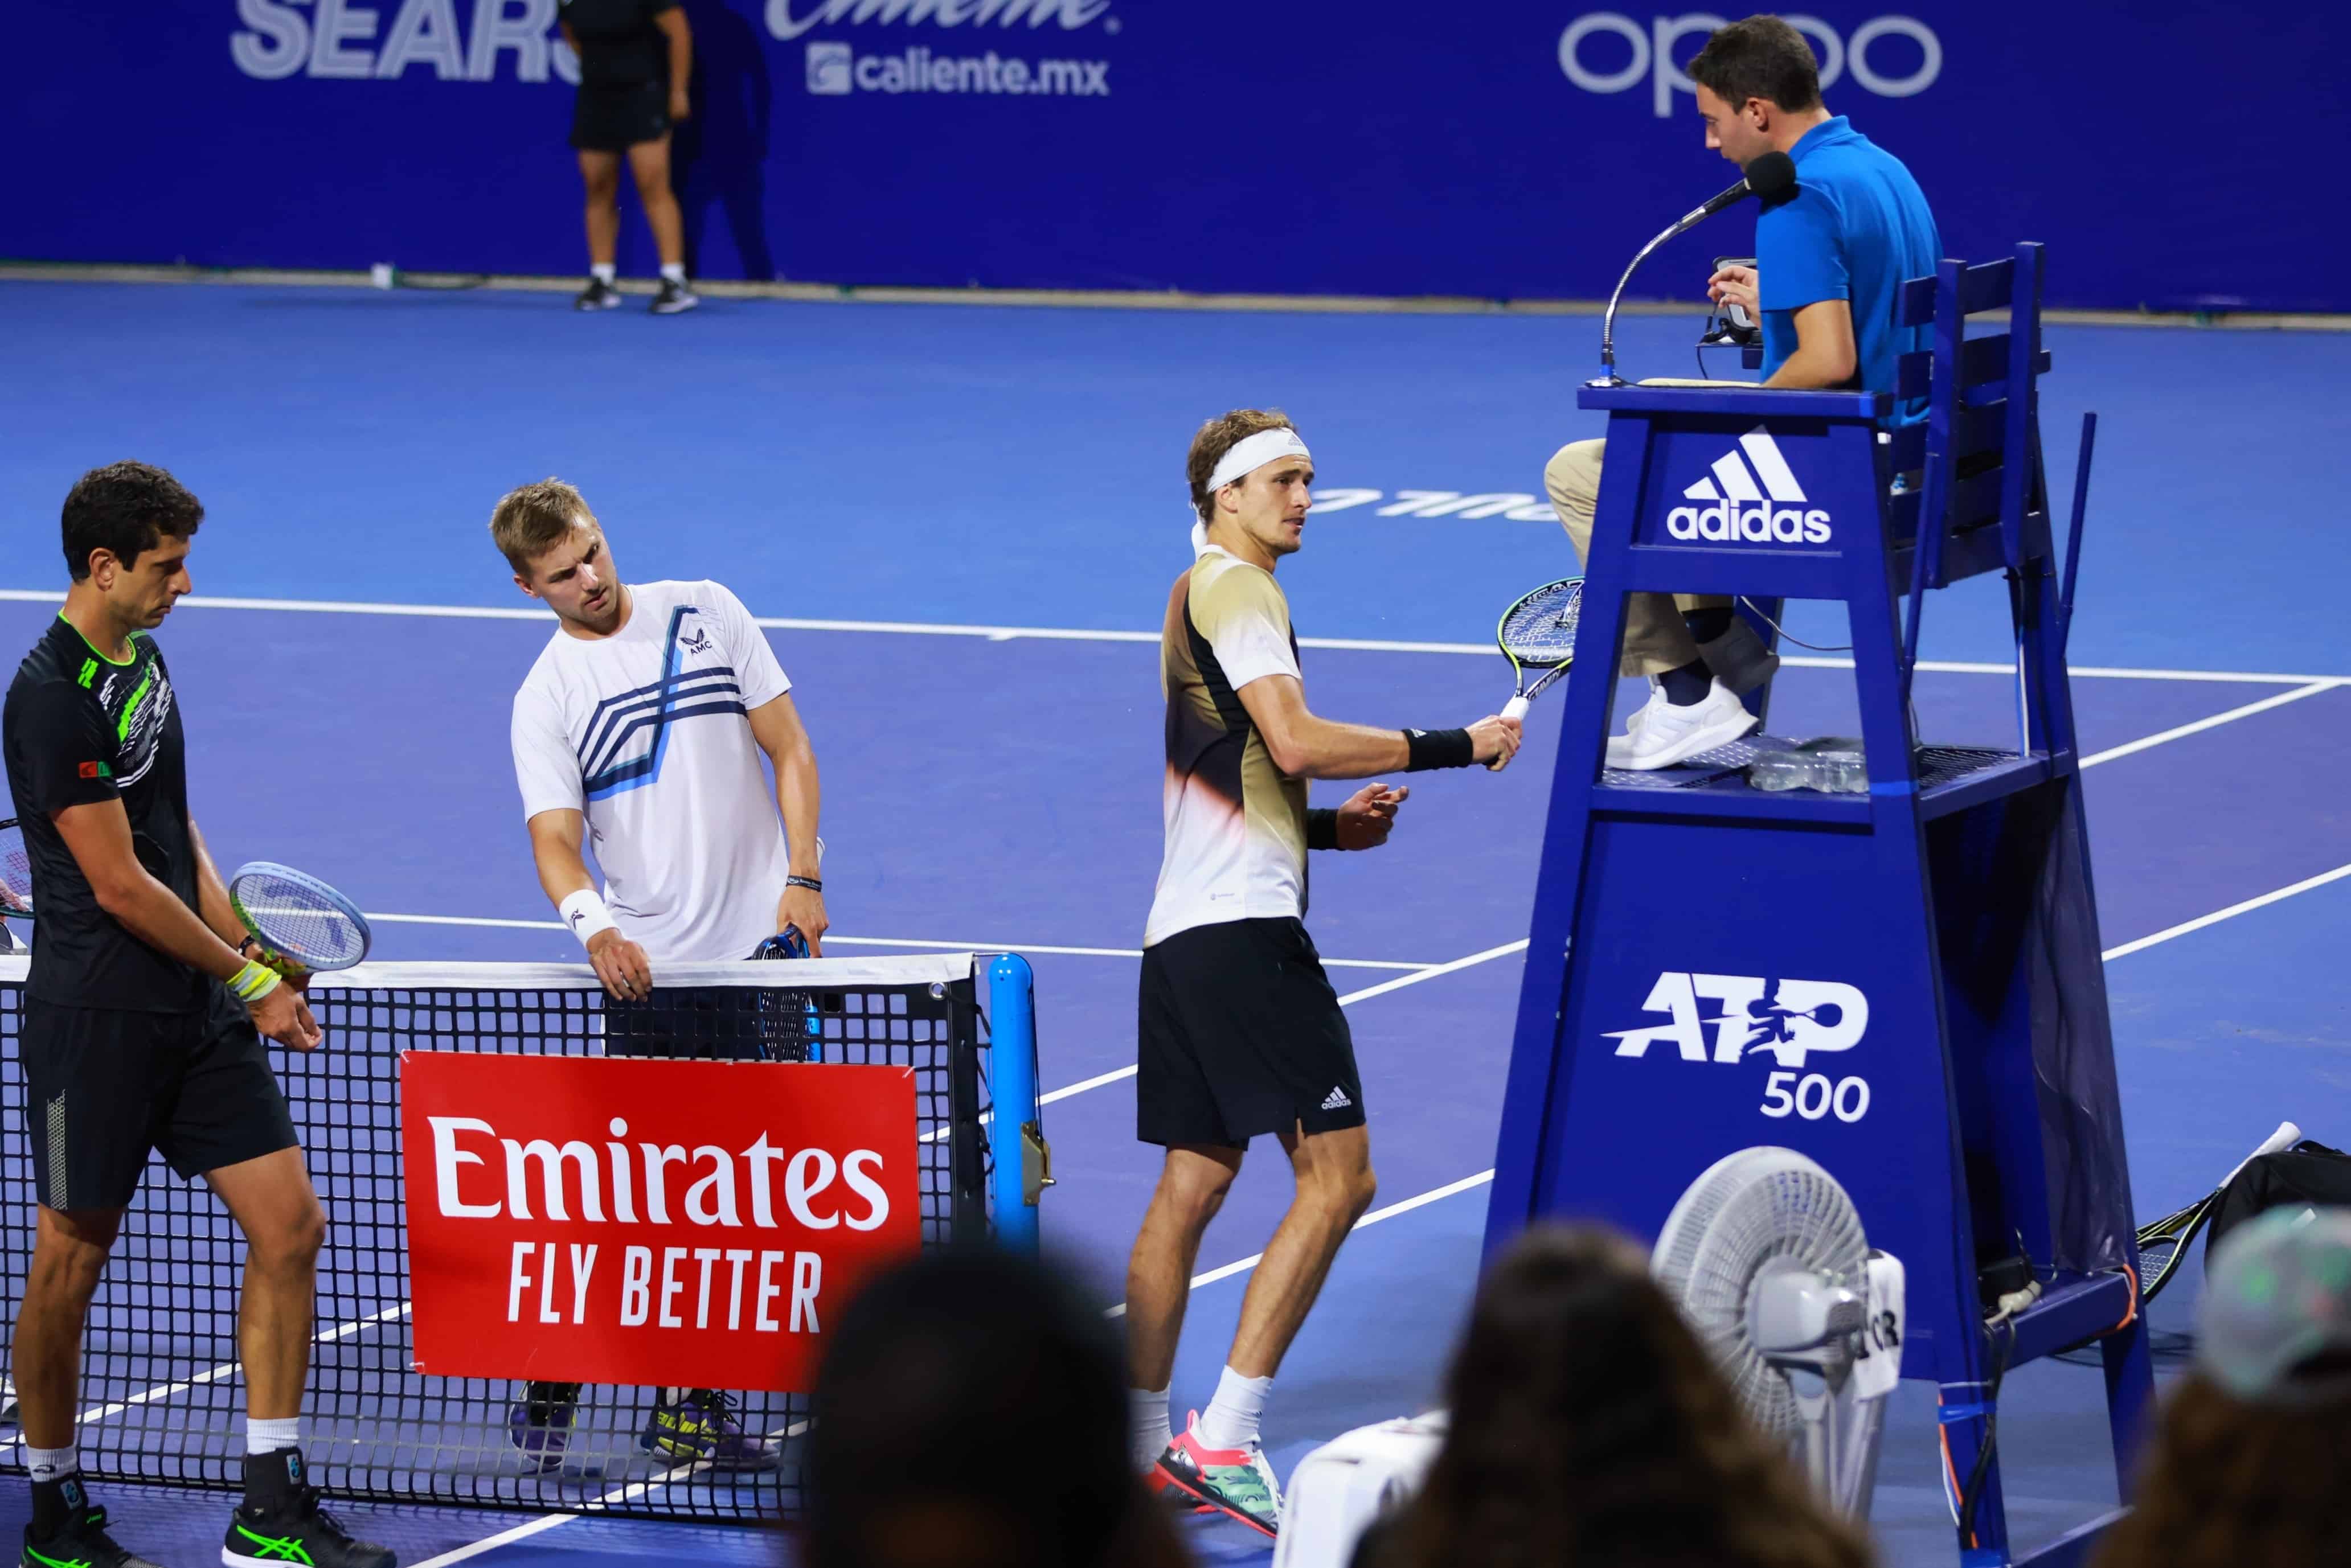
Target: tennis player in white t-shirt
[642,727]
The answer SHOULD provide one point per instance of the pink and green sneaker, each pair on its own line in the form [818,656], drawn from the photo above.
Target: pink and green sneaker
[1236,1483]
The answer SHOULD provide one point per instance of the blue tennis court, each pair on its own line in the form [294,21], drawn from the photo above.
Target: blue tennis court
[959,523]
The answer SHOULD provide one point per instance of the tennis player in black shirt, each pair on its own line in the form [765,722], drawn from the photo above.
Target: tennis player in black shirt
[634,58]
[142,1028]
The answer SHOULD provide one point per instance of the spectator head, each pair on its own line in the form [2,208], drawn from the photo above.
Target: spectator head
[2249,1463]
[944,1377]
[1589,1427]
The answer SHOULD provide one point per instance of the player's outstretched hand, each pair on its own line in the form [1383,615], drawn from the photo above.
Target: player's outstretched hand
[283,1016]
[1494,740]
[622,965]
[1365,821]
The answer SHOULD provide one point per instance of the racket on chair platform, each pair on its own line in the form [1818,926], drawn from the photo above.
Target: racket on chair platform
[301,924]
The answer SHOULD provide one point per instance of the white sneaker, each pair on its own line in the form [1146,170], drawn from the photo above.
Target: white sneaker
[1668,734]
[1620,747]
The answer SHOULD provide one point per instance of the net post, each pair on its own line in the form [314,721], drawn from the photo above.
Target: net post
[1012,1086]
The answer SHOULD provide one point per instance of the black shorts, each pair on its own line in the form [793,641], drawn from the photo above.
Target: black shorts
[1239,1032]
[615,118]
[103,1088]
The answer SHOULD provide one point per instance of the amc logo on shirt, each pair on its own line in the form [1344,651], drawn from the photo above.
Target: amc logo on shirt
[693,1224]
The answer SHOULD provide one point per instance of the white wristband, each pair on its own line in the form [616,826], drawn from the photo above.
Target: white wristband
[585,914]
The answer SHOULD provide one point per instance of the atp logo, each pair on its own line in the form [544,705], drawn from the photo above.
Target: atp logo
[1787,1018]
[1771,512]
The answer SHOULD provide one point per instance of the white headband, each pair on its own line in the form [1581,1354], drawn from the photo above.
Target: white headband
[1254,452]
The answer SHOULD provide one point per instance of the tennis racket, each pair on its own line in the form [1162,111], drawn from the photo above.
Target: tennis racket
[2163,1243]
[1538,634]
[15,872]
[301,925]
[792,1029]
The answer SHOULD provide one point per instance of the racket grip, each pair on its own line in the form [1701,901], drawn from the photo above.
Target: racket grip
[1516,708]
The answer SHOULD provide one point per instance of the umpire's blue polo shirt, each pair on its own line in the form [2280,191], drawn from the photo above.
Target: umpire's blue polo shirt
[1856,229]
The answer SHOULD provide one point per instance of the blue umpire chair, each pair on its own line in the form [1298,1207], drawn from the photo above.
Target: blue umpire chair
[1904,984]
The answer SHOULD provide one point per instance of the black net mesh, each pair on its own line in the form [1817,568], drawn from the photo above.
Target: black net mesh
[161,1399]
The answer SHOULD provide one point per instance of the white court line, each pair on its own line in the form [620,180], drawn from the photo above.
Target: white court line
[2231,913]
[2215,721]
[878,942]
[544,1522]
[165,1390]
[1242,1265]
[1079,634]
[1353,996]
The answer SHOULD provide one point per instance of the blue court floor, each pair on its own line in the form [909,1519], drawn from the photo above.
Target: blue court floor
[960,523]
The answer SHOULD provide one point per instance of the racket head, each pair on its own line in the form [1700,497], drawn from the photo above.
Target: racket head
[1538,632]
[2163,1245]
[298,919]
[15,871]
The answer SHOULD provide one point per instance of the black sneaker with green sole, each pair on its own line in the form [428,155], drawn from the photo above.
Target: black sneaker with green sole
[280,1521]
[80,1542]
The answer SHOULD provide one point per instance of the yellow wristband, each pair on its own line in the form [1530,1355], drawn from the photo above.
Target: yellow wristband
[253,981]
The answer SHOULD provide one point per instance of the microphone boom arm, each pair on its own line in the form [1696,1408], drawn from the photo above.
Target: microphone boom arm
[1608,375]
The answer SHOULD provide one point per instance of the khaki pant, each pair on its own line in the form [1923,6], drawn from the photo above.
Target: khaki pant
[1656,640]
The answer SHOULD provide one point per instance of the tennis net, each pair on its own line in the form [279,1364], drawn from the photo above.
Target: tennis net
[161,1396]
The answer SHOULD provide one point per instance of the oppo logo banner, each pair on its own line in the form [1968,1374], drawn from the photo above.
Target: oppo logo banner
[696,1224]
[1609,52]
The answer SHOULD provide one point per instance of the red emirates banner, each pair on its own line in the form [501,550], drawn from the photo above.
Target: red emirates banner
[694,1224]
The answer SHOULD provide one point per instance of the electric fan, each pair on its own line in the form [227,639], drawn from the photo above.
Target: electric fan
[1764,1255]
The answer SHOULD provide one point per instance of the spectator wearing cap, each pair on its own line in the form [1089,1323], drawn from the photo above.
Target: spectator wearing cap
[2251,1461]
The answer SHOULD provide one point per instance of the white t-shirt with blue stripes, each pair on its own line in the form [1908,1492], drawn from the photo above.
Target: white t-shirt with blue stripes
[646,732]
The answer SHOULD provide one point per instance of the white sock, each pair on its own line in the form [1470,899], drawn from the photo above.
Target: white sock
[673,272]
[56,1464]
[1230,1420]
[604,272]
[267,1435]
[1148,1433]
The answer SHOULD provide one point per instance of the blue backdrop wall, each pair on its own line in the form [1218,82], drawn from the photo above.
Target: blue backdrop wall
[1511,149]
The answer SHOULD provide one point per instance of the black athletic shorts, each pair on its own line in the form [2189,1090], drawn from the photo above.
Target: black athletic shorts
[105,1086]
[1239,1032]
[615,118]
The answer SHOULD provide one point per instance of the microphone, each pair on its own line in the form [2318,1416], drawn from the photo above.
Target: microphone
[1771,177]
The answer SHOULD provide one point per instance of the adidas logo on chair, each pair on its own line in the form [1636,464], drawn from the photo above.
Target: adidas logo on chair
[1771,512]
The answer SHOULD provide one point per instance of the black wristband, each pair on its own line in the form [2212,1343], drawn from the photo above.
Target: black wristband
[810,883]
[1438,749]
[1321,829]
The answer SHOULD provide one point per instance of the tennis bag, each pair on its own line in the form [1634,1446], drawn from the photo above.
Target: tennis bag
[1337,1491]
[2308,1175]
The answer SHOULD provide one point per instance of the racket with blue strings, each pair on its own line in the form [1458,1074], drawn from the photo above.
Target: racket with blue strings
[301,925]
[1537,634]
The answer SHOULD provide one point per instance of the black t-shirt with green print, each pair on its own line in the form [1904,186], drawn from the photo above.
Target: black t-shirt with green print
[79,728]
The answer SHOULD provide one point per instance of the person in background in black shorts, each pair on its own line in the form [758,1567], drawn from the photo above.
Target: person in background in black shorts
[1238,1031]
[634,58]
[143,1026]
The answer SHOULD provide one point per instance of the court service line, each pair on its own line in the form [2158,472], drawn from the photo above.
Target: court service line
[1242,1265]
[1365,994]
[1081,634]
[547,1521]
[2214,723]
[878,942]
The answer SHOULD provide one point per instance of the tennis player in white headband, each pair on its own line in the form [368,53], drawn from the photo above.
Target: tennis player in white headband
[1240,1032]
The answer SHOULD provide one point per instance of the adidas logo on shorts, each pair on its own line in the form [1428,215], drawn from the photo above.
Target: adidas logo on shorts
[1337,1100]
